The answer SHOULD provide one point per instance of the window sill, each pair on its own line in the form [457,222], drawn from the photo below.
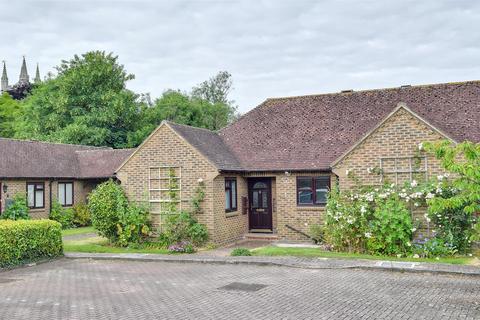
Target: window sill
[310,208]
[231,214]
[36,209]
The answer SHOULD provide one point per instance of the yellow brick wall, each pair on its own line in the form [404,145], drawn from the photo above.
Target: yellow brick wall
[166,148]
[20,186]
[398,137]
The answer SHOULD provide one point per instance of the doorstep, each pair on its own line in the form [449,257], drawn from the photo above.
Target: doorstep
[261,236]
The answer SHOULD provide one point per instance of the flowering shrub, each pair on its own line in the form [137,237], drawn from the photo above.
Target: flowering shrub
[181,247]
[182,227]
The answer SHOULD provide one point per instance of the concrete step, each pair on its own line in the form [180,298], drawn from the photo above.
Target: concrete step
[261,236]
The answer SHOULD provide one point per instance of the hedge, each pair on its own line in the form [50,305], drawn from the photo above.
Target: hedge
[29,240]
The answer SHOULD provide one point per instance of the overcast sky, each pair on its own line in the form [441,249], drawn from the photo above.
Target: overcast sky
[272,48]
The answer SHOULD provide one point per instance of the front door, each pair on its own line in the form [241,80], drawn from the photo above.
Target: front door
[260,195]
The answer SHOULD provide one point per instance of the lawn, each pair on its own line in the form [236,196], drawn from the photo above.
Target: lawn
[314,252]
[75,231]
[98,244]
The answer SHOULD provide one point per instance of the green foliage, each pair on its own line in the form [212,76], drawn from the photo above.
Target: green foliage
[106,204]
[347,221]
[237,252]
[391,228]
[10,110]
[198,197]
[316,233]
[114,218]
[183,227]
[23,241]
[62,215]
[133,225]
[81,215]
[18,210]
[87,103]
[433,248]
[454,214]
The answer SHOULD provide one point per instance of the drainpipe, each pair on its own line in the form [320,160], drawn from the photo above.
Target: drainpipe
[50,197]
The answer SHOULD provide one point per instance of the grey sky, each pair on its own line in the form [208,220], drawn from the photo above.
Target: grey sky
[272,48]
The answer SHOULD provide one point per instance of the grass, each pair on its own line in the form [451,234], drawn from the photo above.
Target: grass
[101,245]
[75,231]
[314,252]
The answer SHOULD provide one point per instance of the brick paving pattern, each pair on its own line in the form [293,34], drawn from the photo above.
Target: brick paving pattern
[103,289]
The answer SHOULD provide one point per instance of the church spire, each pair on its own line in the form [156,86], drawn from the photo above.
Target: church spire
[4,79]
[37,76]
[23,72]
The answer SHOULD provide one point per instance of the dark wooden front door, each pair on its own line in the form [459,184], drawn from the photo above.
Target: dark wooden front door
[260,195]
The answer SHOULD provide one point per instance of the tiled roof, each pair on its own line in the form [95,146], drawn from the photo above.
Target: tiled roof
[209,144]
[310,132]
[34,159]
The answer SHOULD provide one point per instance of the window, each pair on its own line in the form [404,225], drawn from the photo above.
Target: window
[36,195]
[313,190]
[230,194]
[65,193]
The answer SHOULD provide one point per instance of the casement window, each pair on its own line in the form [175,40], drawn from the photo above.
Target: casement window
[35,195]
[65,193]
[312,191]
[230,194]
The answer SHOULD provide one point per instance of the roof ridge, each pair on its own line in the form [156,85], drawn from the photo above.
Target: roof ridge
[106,149]
[56,143]
[371,90]
[188,126]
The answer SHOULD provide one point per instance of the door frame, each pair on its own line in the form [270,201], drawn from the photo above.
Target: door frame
[251,182]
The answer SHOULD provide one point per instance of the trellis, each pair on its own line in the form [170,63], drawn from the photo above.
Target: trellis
[399,170]
[160,180]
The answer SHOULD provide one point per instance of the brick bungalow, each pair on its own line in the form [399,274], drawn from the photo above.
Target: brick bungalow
[47,172]
[269,172]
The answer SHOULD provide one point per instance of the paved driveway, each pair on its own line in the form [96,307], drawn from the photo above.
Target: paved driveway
[86,289]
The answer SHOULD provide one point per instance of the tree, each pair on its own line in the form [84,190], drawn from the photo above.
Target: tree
[216,90]
[87,103]
[10,111]
[463,160]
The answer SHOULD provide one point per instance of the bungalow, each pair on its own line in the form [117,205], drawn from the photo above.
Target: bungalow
[47,172]
[268,172]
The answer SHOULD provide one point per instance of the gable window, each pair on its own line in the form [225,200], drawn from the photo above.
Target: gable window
[65,193]
[35,195]
[230,194]
[313,190]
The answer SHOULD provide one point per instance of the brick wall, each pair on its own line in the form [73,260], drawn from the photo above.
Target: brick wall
[80,188]
[166,148]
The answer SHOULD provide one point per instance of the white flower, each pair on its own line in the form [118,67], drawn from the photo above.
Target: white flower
[306,224]
[383,195]
[440,177]
[347,172]
[439,190]
[399,255]
[350,221]
[200,180]
[420,146]
[368,234]
[470,254]
[416,204]
[429,196]
[369,197]
[416,256]
[414,229]
[428,219]
[409,244]
[414,183]
[437,258]
[363,209]
[369,170]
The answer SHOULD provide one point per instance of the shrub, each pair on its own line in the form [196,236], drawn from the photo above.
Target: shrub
[181,247]
[240,252]
[391,228]
[23,241]
[183,227]
[132,226]
[81,215]
[316,233]
[62,215]
[106,204]
[432,248]
[114,218]
[18,210]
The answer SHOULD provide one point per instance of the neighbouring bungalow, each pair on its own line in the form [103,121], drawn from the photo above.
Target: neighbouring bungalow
[48,172]
[269,172]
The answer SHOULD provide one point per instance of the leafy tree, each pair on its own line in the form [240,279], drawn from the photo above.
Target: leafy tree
[10,110]
[20,90]
[87,103]
[463,160]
